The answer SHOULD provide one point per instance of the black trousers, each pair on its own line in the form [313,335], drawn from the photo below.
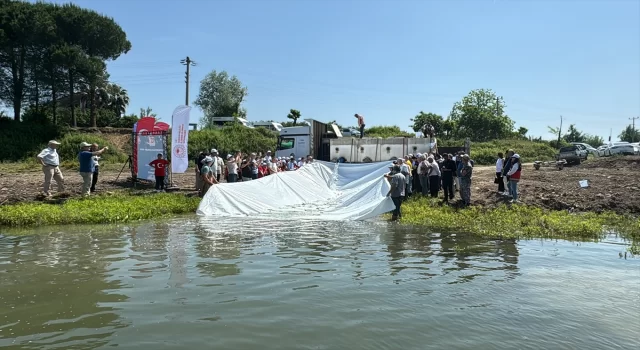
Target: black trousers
[361,130]
[447,186]
[397,213]
[94,180]
[218,177]
[434,185]
[500,182]
[159,182]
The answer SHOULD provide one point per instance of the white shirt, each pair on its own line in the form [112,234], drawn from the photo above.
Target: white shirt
[232,166]
[513,170]
[220,165]
[49,156]
[499,165]
[214,165]
[95,160]
[267,158]
[435,169]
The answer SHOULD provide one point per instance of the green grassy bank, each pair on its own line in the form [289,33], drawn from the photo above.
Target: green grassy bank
[521,222]
[118,208]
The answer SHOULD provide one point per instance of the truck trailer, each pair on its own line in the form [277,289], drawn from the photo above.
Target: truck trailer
[325,142]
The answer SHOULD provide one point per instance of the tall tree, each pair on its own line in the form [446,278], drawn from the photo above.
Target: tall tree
[147,112]
[294,115]
[573,134]
[480,116]
[423,118]
[629,134]
[118,99]
[220,96]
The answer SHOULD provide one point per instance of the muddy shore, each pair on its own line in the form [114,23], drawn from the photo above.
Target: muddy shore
[614,185]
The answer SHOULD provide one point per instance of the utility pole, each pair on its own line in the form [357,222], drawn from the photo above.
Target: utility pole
[187,62]
[633,128]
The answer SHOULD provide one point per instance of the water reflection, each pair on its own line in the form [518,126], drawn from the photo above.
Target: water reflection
[268,285]
[48,295]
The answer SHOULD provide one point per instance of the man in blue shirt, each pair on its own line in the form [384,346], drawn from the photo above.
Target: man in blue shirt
[87,165]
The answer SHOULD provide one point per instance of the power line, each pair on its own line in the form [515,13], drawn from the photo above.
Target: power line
[187,62]
[633,128]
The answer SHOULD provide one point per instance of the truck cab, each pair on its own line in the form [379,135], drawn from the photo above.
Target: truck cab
[294,141]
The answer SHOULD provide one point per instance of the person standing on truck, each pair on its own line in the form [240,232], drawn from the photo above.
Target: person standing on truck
[360,124]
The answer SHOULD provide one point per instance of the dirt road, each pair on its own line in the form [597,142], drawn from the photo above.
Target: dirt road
[613,185]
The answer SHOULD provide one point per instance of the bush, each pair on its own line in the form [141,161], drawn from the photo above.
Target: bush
[485,153]
[386,132]
[70,146]
[230,139]
[24,140]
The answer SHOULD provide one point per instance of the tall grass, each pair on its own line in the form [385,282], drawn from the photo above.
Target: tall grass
[98,210]
[520,221]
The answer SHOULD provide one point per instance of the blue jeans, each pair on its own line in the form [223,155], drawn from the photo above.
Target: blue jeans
[513,188]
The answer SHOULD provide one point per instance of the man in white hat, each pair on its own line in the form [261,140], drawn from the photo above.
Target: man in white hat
[217,165]
[51,167]
[87,165]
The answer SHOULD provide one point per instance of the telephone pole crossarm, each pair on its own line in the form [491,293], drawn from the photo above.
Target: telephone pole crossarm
[187,62]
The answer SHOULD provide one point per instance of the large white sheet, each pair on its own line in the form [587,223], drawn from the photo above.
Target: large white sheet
[321,190]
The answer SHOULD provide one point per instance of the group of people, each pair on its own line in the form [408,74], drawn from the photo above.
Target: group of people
[211,168]
[508,169]
[427,174]
[88,157]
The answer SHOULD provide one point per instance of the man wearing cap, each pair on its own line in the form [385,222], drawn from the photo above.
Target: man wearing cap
[217,165]
[397,191]
[268,158]
[87,165]
[50,167]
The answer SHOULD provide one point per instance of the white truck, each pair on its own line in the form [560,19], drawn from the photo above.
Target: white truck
[325,142]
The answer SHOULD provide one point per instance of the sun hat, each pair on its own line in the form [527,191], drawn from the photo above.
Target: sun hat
[84,144]
[207,159]
[54,142]
[213,150]
[516,155]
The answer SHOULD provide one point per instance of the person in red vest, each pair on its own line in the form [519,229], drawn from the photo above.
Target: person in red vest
[360,124]
[160,166]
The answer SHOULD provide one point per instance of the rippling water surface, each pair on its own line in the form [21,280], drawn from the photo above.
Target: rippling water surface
[243,284]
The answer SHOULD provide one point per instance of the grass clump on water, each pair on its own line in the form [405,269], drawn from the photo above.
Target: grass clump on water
[118,208]
[521,221]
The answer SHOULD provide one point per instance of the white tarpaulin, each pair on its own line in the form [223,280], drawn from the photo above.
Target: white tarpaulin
[321,190]
[179,139]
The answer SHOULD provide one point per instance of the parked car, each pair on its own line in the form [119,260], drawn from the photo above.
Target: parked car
[627,149]
[571,154]
[587,147]
[603,151]
[346,132]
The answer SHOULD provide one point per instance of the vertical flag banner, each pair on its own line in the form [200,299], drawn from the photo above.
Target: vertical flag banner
[179,139]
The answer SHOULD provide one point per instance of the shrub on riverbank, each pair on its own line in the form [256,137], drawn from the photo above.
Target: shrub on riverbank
[117,208]
[520,221]
[232,138]
[485,153]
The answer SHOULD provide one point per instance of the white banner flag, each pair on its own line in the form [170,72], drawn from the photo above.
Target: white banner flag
[179,139]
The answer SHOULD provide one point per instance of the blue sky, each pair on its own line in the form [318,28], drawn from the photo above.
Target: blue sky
[388,60]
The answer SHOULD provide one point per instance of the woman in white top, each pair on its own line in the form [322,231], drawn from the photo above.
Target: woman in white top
[499,166]
[96,170]
[232,167]
[433,171]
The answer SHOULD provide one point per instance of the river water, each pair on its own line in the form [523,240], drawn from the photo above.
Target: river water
[240,284]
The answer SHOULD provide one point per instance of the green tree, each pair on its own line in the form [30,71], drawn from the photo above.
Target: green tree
[43,45]
[220,96]
[387,131]
[629,134]
[147,112]
[522,132]
[294,115]
[423,118]
[573,134]
[118,99]
[593,141]
[480,116]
